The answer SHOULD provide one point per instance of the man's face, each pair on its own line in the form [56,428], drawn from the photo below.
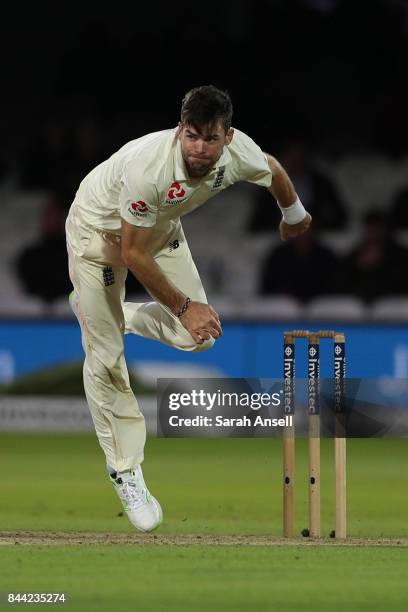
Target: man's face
[201,148]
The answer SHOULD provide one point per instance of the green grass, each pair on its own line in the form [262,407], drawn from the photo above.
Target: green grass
[202,578]
[61,379]
[226,486]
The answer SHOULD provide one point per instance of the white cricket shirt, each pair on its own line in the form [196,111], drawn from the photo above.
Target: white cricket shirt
[147,184]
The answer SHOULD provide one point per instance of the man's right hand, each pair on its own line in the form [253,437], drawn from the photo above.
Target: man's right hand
[202,322]
[292,231]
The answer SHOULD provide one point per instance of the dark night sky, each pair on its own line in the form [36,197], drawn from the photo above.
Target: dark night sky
[335,76]
[80,80]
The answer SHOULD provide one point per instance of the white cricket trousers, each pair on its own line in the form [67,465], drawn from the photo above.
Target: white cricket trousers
[98,277]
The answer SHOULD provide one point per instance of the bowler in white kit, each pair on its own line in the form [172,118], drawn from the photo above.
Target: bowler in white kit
[126,217]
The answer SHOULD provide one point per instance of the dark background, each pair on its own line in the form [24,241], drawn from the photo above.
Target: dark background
[80,80]
[333,71]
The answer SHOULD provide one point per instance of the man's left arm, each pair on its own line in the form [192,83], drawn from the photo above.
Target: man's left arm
[295,219]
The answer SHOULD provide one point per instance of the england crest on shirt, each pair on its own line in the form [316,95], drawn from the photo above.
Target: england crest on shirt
[219,178]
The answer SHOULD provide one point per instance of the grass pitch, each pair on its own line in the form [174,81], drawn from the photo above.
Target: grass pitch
[212,489]
[202,578]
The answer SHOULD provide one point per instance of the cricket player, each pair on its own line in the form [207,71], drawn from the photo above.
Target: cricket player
[126,216]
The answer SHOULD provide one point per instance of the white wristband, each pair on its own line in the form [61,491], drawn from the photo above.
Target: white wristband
[293,214]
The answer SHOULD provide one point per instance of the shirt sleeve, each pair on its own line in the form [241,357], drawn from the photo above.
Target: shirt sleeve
[138,199]
[254,167]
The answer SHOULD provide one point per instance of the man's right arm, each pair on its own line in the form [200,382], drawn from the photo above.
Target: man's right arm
[200,320]
[135,255]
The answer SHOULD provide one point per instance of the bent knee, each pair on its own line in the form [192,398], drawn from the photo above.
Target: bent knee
[205,346]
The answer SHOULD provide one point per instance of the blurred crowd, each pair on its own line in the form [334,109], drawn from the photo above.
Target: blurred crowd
[303,268]
[303,86]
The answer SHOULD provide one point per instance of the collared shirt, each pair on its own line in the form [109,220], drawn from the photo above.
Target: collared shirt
[147,184]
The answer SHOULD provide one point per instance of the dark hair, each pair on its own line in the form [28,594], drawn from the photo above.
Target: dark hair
[205,105]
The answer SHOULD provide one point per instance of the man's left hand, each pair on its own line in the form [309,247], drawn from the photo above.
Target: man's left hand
[287,231]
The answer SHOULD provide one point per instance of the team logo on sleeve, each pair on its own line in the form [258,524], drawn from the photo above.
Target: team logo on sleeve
[219,178]
[176,194]
[138,209]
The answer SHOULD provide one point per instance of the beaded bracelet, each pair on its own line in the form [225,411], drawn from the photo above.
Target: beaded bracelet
[184,308]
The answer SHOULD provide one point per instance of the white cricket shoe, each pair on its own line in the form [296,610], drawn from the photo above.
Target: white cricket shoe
[143,510]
